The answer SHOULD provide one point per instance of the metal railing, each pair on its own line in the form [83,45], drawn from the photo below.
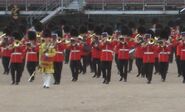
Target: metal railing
[142,3]
[27,5]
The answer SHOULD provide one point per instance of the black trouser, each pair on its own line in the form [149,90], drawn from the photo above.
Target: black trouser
[130,63]
[57,71]
[148,70]
[183,70]
[16,72]
[85,62]
[116,61]
[6,62]
[156,64]
[173,51]
[139,64]
[75,67]
[123,65]
[31,66]
[67,53]
[96,66]
[106,67]
[178,62]
[163,69]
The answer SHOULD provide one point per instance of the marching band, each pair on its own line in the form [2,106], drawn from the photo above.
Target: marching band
[44,50]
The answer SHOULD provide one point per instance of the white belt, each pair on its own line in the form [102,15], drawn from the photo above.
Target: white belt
[124,50]
[59,52]
[75,51]
[164,53]
[31,52]
[183,50]
[107,51]
[16,53]
[148,52]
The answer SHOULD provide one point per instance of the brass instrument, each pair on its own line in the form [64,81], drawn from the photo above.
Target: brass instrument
[151,41]
[139,39]
[16,43]
[109,39]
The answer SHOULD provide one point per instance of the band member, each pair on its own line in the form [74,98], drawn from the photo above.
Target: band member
[32,53]
[6,40]
[182,55]
[139,39]
[148,57]
[46,55]
[163,56]
[95,43]
[58,59]
[67,36]
[106,55]
[75,55]
[16,60]
[132,32]
[123,56]
[86,51]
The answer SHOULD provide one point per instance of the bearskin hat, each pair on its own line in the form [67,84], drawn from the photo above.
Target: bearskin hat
[155,21]
[131,24]
[83,29]
[7,30]
[98,30]
[46,33]
[124,30]
[90,26]
[38,25]
[171,23]
[165,34]
[150,32]
[17,35]
[158,29]
[62,22]
[141,30]
[108,29]
[67,29]
[31,35]
[74,32]
[141,21]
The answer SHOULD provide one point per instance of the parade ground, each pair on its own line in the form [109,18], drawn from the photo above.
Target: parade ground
[90,95]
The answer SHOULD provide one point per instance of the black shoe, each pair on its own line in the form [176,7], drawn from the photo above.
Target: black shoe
[125,80]
[55,83]
[12,83]
[183,81]
[138,75]
[163,80]
[73,80]
[155,72]
[121,79]
[98,76]
[179,75]
[46,87]
[17,83]
[149,82]
[104,81]
[94,75]
[107,82]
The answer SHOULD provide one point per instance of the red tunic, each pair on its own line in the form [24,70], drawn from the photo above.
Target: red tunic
[106,52]
[149,56]
[59,57]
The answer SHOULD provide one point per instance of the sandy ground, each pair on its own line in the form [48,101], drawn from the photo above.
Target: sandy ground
[90,95]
